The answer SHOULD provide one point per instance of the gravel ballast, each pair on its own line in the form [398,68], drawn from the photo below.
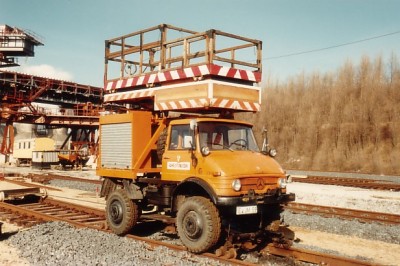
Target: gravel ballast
[371,231]
[58,243]
[85,186]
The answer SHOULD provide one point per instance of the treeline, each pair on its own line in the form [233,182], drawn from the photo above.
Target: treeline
[343,121]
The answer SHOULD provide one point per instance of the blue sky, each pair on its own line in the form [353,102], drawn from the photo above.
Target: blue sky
[74,30]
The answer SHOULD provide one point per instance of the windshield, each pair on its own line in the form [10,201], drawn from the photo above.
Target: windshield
[226,136]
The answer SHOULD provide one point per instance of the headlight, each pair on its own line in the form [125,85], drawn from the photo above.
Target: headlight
[236,185]
[282,182]
[272,152]
[205,150]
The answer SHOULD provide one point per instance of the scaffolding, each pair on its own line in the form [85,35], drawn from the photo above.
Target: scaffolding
[165,48]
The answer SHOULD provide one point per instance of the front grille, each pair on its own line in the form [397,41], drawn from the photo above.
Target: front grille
[259,184]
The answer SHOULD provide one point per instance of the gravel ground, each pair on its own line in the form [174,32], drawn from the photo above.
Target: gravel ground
[58,243]
[374,231]
[75,185]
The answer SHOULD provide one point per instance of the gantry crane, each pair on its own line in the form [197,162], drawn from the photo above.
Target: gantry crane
[78,104]
[15,42]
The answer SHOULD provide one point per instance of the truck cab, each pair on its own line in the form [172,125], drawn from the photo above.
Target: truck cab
[223,154]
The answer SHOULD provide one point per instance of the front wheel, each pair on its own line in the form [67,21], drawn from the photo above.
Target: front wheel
[198,224]
[121,212]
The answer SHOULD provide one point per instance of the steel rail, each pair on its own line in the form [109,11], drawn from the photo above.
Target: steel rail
[350,182]
[328,211]
[316,257]
[45,178]
[26,184]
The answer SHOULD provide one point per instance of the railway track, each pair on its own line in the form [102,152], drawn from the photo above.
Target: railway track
[344,213]
[315,257]
[326,211]
[324,180]
[27,214]
[30,213]
[350,182]
[46,178]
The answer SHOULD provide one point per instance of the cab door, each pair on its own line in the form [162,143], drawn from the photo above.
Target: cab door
[177,159]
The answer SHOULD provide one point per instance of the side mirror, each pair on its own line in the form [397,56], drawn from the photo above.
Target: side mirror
[264,148]
[192,126]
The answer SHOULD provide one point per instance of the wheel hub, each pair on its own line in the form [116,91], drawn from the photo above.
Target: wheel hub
[193,225]
[116,212]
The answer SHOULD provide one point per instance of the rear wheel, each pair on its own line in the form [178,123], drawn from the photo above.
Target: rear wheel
[121,212]
[198,223]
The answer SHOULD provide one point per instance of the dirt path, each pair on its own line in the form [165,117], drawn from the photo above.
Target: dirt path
[377,251]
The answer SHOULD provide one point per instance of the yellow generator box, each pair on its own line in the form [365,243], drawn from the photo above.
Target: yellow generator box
[123,137]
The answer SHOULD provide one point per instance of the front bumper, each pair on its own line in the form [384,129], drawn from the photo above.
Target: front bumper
[255,200]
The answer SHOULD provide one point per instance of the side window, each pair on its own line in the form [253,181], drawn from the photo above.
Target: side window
[173,142]
[180,137]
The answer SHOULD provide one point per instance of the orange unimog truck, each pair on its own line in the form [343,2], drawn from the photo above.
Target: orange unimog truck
[176,153]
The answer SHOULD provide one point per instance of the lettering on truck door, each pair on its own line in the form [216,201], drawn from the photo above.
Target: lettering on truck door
[177,162]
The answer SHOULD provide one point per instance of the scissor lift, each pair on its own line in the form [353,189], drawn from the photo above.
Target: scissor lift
[165,68]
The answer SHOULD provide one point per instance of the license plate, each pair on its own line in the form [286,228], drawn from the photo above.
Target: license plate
[240,210]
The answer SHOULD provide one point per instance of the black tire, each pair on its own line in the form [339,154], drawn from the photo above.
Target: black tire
[198,224]
[121,212]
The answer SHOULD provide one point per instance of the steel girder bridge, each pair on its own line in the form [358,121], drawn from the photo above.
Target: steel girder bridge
[68,105]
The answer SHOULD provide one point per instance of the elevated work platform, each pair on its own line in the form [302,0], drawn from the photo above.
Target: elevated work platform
[168,68]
